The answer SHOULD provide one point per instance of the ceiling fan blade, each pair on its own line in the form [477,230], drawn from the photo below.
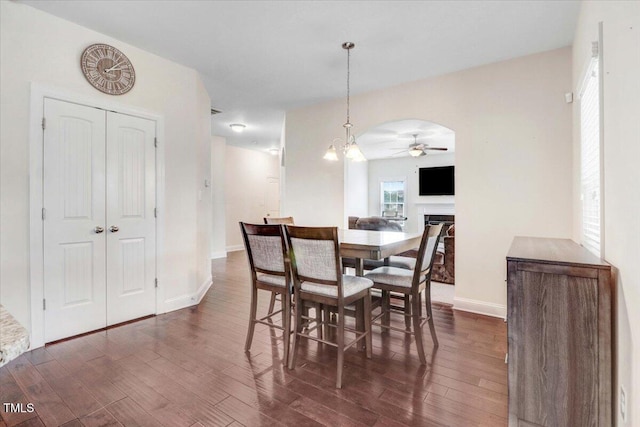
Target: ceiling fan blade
[436,148]
[398,153]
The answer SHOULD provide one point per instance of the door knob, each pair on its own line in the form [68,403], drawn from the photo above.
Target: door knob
[113,229]
[98,229]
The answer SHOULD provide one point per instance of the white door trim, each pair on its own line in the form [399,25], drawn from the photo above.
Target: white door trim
[36,157]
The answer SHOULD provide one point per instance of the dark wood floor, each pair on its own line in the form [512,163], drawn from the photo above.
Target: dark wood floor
[188,368]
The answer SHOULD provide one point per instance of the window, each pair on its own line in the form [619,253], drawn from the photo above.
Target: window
[590,165]
[392,197]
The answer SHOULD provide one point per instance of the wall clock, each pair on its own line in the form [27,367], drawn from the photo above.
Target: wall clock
[107,69]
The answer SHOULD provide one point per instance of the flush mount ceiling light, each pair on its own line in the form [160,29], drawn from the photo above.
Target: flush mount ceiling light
[273,151]
[237,127]
[349,147]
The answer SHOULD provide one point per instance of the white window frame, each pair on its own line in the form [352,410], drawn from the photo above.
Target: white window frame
[404,189]
[592,155]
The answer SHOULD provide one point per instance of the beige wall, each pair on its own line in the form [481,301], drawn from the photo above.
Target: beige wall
[41,48]
[246,174]
[218,172]
[513,159]
[204,202]
[621,108]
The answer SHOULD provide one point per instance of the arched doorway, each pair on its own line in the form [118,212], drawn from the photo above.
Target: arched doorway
[396,152]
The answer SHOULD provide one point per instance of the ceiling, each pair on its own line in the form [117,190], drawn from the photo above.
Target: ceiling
[392,139]
[261,58]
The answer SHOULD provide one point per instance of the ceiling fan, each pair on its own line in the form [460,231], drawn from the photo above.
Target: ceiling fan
[417,150]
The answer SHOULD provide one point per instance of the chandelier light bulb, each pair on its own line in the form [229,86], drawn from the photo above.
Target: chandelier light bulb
[331,153]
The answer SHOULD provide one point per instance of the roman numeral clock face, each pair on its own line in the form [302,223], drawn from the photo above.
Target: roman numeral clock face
[107,69]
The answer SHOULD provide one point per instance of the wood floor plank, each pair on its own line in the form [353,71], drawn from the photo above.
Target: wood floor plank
[322,414]
[208,415]
[49,406]
[198,384]
[35,422]
[75,395]
[99,385]
[245,414]
[100,418]
[10,392]
[24,373]
[129,413]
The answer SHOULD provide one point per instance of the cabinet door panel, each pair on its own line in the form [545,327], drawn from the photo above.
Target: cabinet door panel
[557,382]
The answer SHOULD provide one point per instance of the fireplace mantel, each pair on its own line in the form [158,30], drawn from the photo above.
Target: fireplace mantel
[436,208]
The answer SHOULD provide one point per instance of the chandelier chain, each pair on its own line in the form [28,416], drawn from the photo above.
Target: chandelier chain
[348,77]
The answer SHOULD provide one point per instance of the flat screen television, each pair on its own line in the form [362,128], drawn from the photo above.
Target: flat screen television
[438,181]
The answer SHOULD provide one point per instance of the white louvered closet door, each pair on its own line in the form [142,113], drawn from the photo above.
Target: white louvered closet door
[130,224]
[99,222]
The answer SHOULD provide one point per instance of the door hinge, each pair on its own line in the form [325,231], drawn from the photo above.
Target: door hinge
[44,304]
[44,213]
[155,212]
[155,141]
[44,123]
[156,282]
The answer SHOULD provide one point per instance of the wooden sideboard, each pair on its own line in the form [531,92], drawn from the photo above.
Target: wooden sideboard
[559,299]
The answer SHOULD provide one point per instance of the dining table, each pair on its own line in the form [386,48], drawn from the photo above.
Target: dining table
[375,245]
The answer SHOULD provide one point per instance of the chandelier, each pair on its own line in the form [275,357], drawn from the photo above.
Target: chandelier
[349,147]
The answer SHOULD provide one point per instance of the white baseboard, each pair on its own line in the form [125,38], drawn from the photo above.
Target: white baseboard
[235,248]
[480,307]
[202,290]
[218,254]
[178,303]
[188,300]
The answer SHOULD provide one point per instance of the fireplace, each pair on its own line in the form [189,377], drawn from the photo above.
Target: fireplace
[448,220]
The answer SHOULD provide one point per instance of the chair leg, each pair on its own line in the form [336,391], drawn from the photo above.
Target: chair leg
[282,306]
[293,352]
[286,324]
[427,302]
[417,328]
[327,317]
[360,316]
[340,344]
[272,303]
[385,303]
[367,324]
[252,318]
[318,311]
[407,308]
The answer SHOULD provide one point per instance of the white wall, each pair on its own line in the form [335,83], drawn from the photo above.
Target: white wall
[246,174]
[513,159]
[41,48]
[204,203]
[415,206]
[218,172]
[621,108]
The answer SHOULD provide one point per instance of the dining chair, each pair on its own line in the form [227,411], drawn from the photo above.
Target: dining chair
[270,271]
[318,278]
[411,284]
[389,213]
[282,220]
